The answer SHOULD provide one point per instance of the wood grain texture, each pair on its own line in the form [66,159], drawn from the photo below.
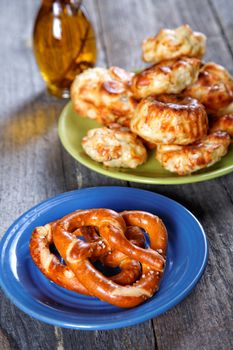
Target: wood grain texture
[137,337]
[31,168]
[4,342]
[222,10]
[34,166]
[205,317]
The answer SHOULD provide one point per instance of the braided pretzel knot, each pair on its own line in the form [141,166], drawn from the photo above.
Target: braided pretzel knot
[112,228]
[130,268]
[56,271]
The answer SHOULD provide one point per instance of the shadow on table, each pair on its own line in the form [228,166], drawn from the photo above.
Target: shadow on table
[30,120]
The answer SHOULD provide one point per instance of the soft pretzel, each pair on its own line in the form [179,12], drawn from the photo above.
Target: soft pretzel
[184,160]
[116,147]
[104,94]
[213,88]
[111,226]
[152,224]
[48,263]
[170,120]
[130,268]
[167,77]
[56,271]
[173,43]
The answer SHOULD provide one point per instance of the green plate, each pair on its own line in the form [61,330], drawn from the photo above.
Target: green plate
[72,128]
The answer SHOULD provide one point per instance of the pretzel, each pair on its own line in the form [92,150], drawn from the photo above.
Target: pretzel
[48,263]
[152,224]
[56,271]
[130,268]
[112,227]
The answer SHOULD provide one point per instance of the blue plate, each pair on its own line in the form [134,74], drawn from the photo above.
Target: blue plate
[34,294]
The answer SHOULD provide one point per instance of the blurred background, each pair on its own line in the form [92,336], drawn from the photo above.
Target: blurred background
[120,27]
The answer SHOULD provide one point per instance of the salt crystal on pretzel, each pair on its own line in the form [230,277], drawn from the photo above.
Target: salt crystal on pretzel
[112,228]
[57,272]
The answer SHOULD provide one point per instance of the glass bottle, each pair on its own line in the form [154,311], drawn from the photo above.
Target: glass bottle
[64,43]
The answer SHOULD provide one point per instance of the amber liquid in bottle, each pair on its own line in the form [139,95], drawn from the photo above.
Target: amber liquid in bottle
[64,43]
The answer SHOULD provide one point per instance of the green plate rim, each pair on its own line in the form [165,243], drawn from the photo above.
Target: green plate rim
[98,167]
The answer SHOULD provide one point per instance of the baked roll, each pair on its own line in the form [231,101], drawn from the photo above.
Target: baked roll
[224,123]
[170,120]
[104,94]
[167,77]
[116,147]
[174,43]
[184,160]
[213,88]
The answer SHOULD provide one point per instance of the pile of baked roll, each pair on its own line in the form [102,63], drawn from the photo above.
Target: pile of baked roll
[180,105]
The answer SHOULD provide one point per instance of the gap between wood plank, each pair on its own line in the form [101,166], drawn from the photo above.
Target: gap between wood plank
[6,341]
[59,338]
[224,36]
[221,28]
[128,184]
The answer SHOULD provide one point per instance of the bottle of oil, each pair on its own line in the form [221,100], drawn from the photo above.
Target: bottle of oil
[64,43]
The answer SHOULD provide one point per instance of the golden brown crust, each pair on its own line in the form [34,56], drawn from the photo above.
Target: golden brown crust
[112,227]
[172,120]
[56,271]
[104,94]
[117,147]
[48,263]
[213,88]
[184,160]
[224,123]
[116,239]
[130,269]
[151,224]
[174,43]
[168,77]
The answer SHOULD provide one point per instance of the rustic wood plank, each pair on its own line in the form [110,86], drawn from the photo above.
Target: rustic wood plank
[4,342]
[137,337]
[222,10]
[34,166]
[23,332]
[206,312]
[31,168]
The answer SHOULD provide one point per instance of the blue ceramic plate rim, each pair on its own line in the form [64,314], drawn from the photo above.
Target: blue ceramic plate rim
[106,325]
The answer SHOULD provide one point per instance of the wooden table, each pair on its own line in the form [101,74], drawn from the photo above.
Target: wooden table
[34,166]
